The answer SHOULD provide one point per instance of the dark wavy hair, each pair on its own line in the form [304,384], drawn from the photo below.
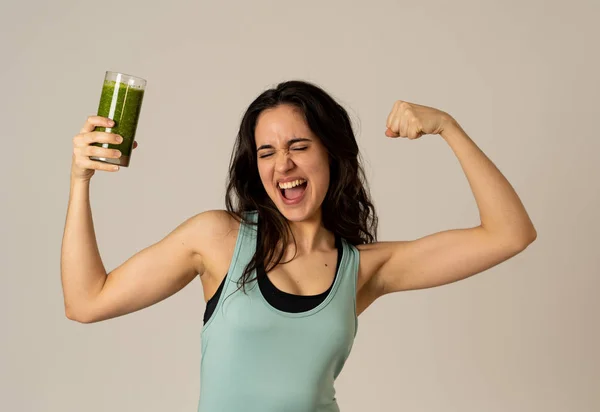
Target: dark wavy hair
[346,210]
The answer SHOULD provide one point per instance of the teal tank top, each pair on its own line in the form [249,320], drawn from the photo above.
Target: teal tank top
[256,358]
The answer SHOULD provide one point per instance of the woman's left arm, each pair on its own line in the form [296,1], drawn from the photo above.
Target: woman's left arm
[450,255]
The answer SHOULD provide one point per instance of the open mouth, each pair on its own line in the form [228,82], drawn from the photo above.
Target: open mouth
[294,194]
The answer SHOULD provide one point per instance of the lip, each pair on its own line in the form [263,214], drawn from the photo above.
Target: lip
[290,179]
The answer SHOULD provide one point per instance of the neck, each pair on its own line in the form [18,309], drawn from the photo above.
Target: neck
[310,235]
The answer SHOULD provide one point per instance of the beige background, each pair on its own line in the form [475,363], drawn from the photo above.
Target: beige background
[520,76]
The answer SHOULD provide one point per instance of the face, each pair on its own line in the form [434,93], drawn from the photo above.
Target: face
[292,162]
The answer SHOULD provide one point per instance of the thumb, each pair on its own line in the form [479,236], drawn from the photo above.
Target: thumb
[390,133]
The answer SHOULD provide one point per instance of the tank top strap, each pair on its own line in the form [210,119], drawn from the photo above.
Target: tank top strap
[245,246]
[352,260]
[349,271]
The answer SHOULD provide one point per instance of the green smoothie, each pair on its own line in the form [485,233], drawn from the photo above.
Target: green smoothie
[121,103]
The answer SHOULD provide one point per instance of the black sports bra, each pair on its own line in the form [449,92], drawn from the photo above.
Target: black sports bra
[279,299]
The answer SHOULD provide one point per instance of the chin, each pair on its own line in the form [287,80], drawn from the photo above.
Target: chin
[295,215]
[298,213]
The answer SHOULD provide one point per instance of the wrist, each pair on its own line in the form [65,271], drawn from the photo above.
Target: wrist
[449,126]
[78,180]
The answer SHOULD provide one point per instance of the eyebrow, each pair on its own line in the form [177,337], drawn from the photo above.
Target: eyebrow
[289,143]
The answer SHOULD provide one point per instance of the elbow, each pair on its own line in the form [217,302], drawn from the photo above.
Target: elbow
[519,238]
[527,239]
[516,242]
[77,315]
[532,236]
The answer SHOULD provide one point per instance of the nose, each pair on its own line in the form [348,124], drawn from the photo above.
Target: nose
[283,162]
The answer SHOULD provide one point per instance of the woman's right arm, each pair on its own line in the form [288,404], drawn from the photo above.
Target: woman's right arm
[151,275]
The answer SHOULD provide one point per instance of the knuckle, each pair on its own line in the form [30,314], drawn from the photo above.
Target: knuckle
[100,137]
[78,142]
[90,151]
[98,151]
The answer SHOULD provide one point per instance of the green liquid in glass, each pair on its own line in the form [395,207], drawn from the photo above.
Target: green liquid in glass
[126,103]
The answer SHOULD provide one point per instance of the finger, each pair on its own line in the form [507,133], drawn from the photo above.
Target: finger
[388,122]
[101,152]
[413,129]
[390,118]
[95,121]
[85,139]
[405,119]
[88,163]
[390,133]
[397,126]
[135,144]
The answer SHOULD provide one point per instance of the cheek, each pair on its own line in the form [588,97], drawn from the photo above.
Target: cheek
[320,172]
[325,179]
[265,176]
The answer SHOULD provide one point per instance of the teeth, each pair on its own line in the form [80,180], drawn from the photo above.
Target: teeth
[289,185]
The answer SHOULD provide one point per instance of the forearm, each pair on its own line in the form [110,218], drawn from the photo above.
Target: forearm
[82,270]
[500,208]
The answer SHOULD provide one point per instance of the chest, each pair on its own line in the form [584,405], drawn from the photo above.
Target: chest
[305,275]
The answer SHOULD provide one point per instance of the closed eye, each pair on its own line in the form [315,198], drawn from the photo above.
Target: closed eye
[295,149]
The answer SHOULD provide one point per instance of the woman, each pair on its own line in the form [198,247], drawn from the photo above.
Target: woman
[293,261]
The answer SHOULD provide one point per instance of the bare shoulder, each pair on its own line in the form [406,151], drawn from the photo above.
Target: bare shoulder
[208,230]
[213,234]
